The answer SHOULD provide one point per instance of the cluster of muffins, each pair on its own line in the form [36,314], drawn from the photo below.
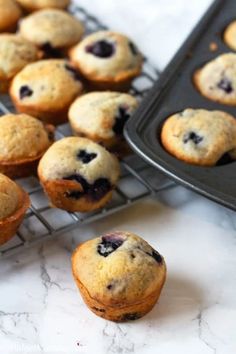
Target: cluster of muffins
[186,135]
[49,68]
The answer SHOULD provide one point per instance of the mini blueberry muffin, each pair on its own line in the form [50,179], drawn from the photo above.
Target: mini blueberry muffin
[14,202]
[23,141]
[10,13]
[15,53]
[78,174]
[119,275]
[46,89]
[200,137]
[217,79]
[34,5]
[100,116]
[108,60]
[230,35]
[52,30]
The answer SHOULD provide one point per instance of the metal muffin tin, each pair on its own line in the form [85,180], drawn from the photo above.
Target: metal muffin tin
[175,92]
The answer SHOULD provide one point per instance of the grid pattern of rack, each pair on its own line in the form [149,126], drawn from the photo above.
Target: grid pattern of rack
[138,179]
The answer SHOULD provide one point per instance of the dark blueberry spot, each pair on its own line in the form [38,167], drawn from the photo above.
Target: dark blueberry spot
[94,191]
[109,286]
[120,120]
[97,309]
[50,51]
[192,136]
[76,75]
[133,48]
[131,316]
[132,255]
[157,257]
[101,49]
[85,156]
[109,244]
[225,85]
[25,91]
[74,194]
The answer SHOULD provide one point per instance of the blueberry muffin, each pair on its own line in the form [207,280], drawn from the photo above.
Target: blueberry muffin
[15,53]
[46,89]
[119,275]
[100,116]
[10,14]
[78,174]
[200,137]
[34,5]
[230,35]
[108,60]
[217,79]
[14,202]
[51,30]
[23,141]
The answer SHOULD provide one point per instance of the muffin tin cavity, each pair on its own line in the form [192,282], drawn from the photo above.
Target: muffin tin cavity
[175,92]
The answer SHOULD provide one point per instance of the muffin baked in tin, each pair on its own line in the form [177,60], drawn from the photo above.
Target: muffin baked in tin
[119,275]
[78,174]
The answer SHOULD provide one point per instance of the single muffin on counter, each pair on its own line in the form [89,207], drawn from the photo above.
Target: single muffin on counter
[10,13]
[46,89]
[15,54]
[200,137]
[52,30]
[101,116]
[34,5]
[14,202]
[119,275]
[108,60]
[217,79]
[23,141]
[78,174]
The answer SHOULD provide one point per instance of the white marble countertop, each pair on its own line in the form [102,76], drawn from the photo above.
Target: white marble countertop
[41,310]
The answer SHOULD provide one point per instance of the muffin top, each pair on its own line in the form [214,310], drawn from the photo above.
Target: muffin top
[32,5]
[10,14]
[51,27]
[51,85]
[22,137]
[119,267]
[79,160]
[15,53]
[101,115]
[217,79]
[199,136]
[107,55]
[230,35]
[9,197]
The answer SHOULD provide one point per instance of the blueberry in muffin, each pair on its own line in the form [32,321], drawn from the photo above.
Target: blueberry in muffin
[101,116]
[119,275]
[78,174]
[200,137]
[46,89]
[108,60]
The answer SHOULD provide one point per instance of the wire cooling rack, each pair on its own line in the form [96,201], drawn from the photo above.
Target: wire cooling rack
[138,180]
